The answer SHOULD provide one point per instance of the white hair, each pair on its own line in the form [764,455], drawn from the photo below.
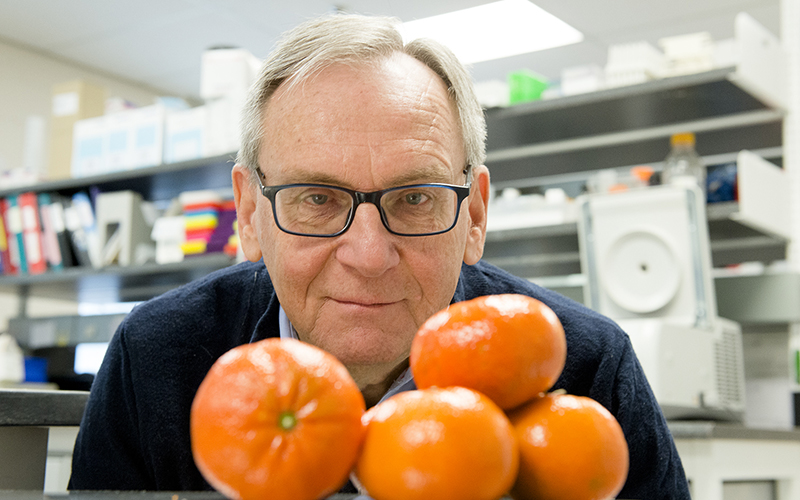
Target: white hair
[356,39]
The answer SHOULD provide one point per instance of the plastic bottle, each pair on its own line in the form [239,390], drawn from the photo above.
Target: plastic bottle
[683,164]
[12,361]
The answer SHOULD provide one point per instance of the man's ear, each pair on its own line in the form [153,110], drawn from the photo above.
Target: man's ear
[245,195]
[478,209]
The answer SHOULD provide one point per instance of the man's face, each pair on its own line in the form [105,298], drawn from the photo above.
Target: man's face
[362,295]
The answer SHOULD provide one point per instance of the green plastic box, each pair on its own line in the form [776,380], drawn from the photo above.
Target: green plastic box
[525,85]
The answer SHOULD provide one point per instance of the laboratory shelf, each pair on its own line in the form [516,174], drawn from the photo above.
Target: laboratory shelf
[114,283]
[759,299]
[628,126]
[727,430]
[565,141]
[755,300]
[553,250]
[161,182]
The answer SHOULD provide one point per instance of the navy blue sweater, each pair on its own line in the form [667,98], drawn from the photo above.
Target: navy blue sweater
[135,431]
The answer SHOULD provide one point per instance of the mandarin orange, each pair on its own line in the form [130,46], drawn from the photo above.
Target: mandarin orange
[509,347]
[570,447]
[448,444]
[277,419]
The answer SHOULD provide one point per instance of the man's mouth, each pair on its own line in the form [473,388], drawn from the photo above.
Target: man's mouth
[364,302]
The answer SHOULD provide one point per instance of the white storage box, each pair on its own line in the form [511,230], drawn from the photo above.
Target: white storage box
[169,233]
[492,93]
[582,79]
[221,134]
[132,138]
[147,125]
[687,54]
[184,134]
[227,71]
[632,63]
[89,147]
[119,141]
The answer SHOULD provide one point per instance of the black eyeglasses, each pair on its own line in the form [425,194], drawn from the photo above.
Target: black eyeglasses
[325,211]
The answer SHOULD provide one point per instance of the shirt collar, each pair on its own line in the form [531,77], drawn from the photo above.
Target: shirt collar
[285,327]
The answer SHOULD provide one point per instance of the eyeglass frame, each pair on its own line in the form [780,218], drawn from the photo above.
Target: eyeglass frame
[359,197]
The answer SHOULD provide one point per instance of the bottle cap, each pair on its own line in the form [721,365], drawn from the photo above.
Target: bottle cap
[642,173]
[682,138]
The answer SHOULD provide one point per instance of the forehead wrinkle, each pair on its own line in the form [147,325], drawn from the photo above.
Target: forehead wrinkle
[438,107]
[429,135]
[428,172]
[438,119]
[374,157]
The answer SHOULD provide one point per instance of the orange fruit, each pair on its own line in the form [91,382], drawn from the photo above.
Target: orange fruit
[509,347]
[452,443]
[570,447]
[278,419]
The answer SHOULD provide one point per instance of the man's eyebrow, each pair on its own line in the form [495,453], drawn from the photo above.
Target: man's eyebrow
[302,177]
[428,173]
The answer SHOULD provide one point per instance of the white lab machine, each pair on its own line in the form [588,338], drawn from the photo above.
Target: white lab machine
[646,256]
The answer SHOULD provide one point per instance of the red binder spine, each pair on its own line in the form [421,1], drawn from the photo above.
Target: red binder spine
[32,233]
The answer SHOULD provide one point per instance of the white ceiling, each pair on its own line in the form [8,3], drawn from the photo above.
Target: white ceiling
[159,42]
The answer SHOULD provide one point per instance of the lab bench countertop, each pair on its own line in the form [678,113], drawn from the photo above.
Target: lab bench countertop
[728,430]
[132,495]
[46,408]
[110,495]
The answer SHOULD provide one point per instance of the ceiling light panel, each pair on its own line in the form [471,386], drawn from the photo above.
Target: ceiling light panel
[494,30]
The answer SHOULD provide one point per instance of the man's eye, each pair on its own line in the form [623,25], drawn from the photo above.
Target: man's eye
[414,198]
[318,199]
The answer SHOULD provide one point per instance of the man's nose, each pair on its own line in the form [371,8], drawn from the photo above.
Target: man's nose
[368,247]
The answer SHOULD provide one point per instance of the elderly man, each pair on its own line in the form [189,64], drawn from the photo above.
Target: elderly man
[362,198]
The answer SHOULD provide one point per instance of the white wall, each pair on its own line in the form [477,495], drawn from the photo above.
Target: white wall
[26,80]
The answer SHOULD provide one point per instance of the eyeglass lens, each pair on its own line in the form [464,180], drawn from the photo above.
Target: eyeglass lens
[322,210]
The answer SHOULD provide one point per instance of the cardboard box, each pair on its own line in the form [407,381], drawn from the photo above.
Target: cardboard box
[72,101]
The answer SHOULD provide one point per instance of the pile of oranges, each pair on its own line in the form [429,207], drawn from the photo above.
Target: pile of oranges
[283,419]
